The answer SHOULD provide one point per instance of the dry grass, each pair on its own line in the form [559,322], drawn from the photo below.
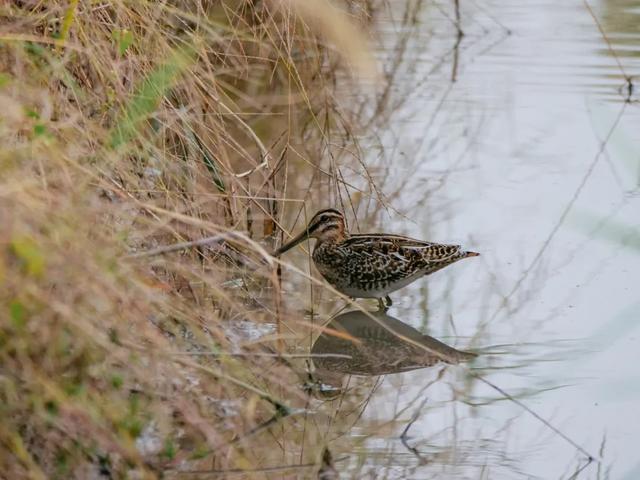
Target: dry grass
[125,126]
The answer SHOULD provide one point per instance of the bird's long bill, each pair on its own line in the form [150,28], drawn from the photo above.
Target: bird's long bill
[288,246]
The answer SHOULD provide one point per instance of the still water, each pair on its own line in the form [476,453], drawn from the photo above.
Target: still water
[520,140]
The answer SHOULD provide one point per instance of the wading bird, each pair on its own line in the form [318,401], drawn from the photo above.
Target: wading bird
[371,265]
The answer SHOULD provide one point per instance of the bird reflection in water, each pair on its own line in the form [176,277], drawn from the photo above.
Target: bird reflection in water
[372,344]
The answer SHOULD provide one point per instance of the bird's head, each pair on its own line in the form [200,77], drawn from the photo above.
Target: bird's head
[325,225]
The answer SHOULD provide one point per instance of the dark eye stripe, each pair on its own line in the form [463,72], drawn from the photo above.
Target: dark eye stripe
[326,228]
[326,216]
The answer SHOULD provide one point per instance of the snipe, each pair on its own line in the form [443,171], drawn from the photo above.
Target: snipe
[372,344]
[380,345]
[371,265]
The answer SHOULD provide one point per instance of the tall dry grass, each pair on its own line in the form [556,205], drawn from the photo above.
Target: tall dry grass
[127,126]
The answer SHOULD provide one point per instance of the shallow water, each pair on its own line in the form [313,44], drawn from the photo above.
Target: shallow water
[496,142]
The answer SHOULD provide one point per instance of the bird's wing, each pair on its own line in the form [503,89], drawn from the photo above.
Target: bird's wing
[401,248]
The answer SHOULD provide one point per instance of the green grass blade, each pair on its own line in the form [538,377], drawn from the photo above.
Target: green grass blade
[149,94]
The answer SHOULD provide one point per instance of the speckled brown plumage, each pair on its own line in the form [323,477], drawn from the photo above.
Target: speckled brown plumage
[371,265]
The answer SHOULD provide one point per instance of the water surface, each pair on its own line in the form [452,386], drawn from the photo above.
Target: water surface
[520,140]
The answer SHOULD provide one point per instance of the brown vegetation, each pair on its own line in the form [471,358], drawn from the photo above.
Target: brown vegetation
[128,126]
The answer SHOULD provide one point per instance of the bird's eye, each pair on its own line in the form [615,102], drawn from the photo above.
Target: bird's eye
[324,218]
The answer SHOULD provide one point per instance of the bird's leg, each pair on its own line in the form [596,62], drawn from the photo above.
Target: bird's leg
[385,303]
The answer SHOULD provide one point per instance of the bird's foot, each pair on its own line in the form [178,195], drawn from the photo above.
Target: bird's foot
[385,303]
